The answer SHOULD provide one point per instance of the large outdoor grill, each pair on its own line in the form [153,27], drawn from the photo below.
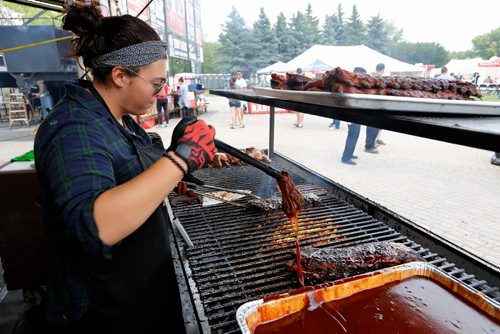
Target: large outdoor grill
[241,254]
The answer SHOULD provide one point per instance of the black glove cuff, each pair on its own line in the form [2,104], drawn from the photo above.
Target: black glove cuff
[192,179]
[183,151]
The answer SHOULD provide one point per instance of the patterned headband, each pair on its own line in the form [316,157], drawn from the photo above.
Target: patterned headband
[134,55]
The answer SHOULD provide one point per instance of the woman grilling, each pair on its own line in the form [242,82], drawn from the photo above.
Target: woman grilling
[104,179]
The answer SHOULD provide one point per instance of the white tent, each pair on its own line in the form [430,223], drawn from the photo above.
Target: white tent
[466,67]
[490,68]
[349,57]
[277,67]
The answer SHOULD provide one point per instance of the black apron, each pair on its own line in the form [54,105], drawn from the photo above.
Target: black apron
[136,291]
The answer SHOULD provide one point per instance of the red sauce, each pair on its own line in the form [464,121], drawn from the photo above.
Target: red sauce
[292,201]
[300,272]
[413,306]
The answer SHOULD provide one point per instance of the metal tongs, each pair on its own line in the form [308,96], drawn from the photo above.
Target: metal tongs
[234,191]
[249,160]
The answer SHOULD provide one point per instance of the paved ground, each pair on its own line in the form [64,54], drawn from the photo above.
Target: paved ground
[448,189]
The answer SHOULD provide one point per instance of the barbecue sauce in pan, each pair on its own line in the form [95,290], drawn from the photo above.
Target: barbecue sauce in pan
[413,306]
[291,203]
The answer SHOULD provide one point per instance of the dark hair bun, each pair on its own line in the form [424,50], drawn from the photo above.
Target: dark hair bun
[83,19]
[98,35]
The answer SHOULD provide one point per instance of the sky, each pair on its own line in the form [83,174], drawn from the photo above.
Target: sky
[451,23]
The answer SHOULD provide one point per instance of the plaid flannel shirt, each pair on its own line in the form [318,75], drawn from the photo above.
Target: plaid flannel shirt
[79,154]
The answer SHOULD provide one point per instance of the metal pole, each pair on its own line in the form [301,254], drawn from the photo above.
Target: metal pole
[271,132]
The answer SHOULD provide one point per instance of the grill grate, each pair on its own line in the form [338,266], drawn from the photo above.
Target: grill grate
[241,254]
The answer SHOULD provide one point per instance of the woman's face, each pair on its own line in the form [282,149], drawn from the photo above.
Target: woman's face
[140,93]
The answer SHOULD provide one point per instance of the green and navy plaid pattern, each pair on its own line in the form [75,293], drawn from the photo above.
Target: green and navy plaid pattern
[79,154]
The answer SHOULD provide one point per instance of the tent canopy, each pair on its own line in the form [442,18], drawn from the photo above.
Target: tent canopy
[349,57]
[463,66]
[317,65]
[278,66]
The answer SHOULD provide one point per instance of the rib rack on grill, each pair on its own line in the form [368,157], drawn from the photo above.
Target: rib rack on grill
[327,264]
[274,203]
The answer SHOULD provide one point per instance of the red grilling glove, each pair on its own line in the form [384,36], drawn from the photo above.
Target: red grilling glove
[182,189]
[193,141]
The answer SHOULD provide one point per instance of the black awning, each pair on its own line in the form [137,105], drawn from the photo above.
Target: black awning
[54,5]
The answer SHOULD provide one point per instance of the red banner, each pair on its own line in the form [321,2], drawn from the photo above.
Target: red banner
[176,20]
[254,108]
[134,7]
[491,63]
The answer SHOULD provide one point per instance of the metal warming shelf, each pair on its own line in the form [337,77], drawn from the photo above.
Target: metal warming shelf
[470,130]
[404,105]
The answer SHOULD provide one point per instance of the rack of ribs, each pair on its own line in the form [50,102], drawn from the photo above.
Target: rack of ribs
[222,159]
[327,264]
[342,81]
[274,203]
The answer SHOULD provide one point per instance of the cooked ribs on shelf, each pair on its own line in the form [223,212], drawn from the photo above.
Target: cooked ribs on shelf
[327,264]
[274,203]
[342,81]
[257,154]
[222,159]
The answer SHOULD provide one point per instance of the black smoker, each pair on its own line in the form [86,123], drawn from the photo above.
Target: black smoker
[240,254]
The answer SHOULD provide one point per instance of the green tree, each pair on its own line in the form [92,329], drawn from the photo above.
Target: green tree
[376,37]
[264,43]
[283,35]
[463,54]
[299,41]
[210,50]
[312,26]
[487,45]
[394,34]
[235,42]
[329,29]
[304,33]
[355,29]
[333,28]
[340,35]
[426,53]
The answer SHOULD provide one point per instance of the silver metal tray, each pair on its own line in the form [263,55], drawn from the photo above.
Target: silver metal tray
[388,103]
[254,312]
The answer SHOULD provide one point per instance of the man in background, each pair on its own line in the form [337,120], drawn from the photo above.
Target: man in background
[240,84]
[299,123]
[162,105]
[445,76]
[184,102]
[375,133]
[353,130]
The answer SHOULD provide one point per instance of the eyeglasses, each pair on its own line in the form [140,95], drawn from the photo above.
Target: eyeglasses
[157,87]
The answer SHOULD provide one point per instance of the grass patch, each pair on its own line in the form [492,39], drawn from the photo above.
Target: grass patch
[490,98]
